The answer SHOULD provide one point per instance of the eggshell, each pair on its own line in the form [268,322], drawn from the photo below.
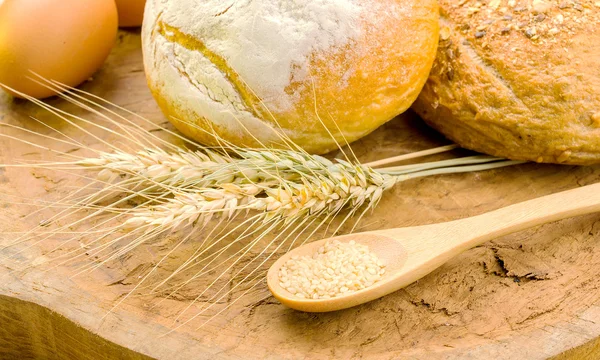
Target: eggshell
[66,40]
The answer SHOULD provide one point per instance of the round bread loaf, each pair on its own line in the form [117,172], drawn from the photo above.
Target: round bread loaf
[251,70]
[518,79]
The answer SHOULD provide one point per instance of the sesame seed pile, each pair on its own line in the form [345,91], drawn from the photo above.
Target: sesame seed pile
[540,20]
[337,268]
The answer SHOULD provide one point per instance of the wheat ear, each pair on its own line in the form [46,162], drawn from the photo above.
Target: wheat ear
[150,188]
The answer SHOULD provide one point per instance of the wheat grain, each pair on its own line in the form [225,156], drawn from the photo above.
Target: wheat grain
[335,269]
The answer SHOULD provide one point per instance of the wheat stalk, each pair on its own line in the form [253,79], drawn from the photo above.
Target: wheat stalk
[207,191]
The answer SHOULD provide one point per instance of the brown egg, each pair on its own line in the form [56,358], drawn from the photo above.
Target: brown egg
[63,40]
[131,12]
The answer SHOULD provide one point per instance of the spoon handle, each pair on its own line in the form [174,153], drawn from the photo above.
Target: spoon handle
[527,214]
[438,243]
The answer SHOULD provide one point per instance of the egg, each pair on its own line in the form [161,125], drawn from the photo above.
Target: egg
[131,12]
[62,40]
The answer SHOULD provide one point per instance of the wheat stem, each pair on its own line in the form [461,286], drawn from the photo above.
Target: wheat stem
[417,154]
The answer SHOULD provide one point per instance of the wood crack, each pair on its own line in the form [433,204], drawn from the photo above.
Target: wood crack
[521,267]
[432,308]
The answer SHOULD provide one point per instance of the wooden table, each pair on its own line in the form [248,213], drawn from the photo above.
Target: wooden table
[531,295]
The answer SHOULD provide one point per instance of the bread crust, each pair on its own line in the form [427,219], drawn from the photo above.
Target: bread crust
[352,90]
[526,86]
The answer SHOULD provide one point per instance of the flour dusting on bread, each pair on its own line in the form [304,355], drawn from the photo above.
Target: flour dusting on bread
[279,35]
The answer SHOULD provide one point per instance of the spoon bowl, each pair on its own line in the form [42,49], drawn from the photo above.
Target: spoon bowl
[412,252]
[389,250]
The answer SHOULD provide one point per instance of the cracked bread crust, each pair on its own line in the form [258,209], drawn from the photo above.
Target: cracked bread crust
[520,81]
[355,87]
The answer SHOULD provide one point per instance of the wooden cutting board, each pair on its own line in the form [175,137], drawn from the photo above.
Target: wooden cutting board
[531,295]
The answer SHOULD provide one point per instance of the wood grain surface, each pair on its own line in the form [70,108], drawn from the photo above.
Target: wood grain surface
[530,295]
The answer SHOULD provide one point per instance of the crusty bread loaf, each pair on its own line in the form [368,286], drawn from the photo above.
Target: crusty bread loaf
[518,79]
[245,68]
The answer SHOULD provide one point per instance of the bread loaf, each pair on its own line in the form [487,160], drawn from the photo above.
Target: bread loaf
[246,69]
[518,79]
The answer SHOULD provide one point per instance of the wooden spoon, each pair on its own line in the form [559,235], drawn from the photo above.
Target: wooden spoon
[412,252]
